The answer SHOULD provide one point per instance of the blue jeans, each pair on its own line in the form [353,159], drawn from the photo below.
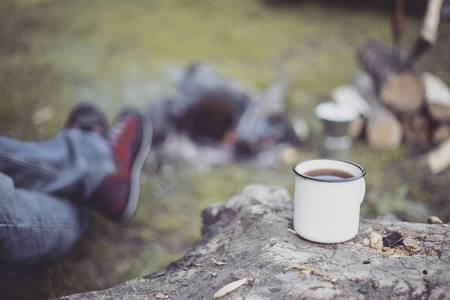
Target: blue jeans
[45,188]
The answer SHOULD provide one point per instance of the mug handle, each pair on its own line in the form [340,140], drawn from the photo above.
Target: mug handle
[363,191]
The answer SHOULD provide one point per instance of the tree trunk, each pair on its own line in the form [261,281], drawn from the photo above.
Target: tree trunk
[249,242]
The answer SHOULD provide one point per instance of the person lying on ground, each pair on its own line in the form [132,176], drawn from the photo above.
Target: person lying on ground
[48,188]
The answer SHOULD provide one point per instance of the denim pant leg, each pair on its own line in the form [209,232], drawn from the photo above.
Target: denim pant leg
[36,227]
[44,191]
[72,164]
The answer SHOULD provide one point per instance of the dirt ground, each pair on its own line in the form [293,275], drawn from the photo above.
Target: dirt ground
[113,53]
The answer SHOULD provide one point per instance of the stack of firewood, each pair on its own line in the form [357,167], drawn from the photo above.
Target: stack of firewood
[398,106]
[386,121]
[398,103]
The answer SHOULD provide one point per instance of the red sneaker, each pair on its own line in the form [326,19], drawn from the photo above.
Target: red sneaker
[118,194]
[87,117]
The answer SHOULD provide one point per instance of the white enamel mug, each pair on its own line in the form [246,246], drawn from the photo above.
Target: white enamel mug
[327,210]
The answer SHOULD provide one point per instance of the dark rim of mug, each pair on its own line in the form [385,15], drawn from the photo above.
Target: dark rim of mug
[363,172]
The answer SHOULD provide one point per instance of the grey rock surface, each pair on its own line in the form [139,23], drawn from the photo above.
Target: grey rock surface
[251,237]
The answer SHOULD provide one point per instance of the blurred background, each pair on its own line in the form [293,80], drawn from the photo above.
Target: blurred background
[113,53]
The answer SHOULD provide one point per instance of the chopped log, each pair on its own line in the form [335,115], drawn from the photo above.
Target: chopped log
[383,130]
[253,233]
[402,91]
[439,112]
[438,159]
[440,133]
[437,97]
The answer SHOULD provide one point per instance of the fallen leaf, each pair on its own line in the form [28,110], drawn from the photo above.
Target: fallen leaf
[291,231]
[229,288]
[305,268]
[213,274]
[161,296]
[219,262]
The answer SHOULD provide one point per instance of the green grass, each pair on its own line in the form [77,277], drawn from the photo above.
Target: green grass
[55,53]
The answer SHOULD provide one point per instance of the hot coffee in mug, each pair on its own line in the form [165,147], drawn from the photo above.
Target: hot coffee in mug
[330,174]
[328,195]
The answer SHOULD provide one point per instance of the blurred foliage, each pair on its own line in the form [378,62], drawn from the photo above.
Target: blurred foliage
[55,53]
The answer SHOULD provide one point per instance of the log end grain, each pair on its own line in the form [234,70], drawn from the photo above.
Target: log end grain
[439,159]
[439,112]
[384,133]
[404,92]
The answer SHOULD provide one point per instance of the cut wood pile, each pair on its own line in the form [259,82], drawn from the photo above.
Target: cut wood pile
[399,103]
[401,106]
[249,250]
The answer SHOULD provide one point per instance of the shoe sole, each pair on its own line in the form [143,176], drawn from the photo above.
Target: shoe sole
[136,170]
